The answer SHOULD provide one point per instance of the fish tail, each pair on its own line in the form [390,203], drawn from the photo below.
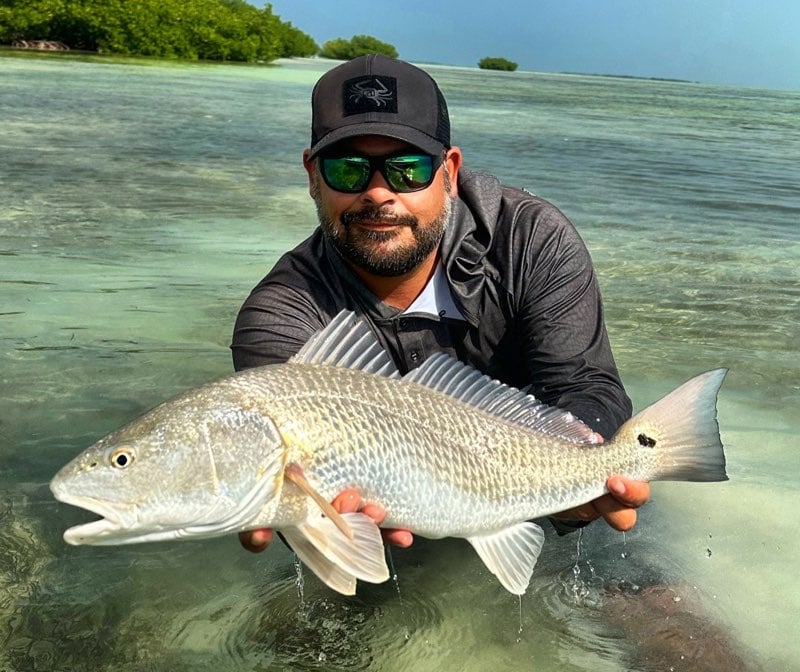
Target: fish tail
[678,437]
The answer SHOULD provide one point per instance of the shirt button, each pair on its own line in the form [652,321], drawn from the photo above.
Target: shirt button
[414,356]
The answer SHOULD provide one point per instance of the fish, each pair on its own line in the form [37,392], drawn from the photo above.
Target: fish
[445,449]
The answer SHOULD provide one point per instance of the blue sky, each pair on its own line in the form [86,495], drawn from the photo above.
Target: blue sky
[752,43]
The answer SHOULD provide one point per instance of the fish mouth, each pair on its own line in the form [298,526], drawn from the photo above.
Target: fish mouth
[91,533]
[105,530]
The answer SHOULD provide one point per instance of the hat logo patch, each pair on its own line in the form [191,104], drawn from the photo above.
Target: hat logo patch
[370,94]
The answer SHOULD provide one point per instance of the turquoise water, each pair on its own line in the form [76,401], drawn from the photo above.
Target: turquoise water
[140,203]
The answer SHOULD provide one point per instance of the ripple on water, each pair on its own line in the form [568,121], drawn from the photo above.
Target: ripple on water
[324,630]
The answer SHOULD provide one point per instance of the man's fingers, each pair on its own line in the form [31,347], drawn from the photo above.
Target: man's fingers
[618,508]
[400,538]
[256,541]
[347,501]
[375,511]
[617,515]
[632,494]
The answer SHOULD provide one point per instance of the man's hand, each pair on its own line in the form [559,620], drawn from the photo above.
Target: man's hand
[256,541]
[618,507]
[347,501]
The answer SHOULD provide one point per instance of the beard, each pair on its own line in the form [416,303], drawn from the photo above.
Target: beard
[362,247]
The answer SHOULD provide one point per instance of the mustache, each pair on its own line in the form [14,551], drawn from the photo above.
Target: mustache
[378,215]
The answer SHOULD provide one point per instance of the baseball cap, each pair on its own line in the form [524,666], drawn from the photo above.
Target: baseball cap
[378,95]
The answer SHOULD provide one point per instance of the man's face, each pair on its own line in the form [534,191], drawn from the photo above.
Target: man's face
[381,231]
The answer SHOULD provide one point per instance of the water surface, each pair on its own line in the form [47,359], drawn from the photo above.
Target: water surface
[140,203]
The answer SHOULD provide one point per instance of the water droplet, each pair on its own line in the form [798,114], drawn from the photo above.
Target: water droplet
[407,634]
[299,583]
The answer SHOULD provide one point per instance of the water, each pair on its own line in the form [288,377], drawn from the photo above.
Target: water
[140,203]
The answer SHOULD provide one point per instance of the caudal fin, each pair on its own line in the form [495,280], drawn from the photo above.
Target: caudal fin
[681,432]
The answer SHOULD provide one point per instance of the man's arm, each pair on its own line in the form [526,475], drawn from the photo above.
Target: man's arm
[569,354]
[272,325]
[562,327]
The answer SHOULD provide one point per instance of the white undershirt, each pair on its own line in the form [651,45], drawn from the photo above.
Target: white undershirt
[436,299]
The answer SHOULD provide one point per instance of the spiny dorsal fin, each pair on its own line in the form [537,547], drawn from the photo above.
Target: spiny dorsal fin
[444,374]
[348,343]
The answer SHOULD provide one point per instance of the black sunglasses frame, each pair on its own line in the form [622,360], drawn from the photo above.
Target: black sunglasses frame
[378,163]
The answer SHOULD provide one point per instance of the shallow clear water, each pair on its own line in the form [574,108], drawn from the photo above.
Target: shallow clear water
[140,203]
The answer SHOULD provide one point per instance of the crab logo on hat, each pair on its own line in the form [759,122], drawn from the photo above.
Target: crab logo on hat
[373,93]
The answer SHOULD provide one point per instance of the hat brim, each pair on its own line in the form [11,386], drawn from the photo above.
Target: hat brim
[412,136]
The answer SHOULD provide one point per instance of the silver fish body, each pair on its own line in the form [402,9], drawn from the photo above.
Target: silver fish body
[445,450]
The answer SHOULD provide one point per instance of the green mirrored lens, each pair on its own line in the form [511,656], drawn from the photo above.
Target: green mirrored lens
[347,173]
[409,173]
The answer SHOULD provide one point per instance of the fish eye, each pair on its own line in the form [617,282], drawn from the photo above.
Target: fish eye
[121,458]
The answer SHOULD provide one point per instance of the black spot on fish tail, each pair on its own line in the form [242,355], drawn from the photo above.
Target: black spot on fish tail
[646,441]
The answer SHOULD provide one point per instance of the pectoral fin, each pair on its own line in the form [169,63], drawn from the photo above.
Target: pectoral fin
[511,554]
[294,473]
[319,544]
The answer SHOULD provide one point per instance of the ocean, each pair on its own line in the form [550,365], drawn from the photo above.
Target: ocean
[140,201]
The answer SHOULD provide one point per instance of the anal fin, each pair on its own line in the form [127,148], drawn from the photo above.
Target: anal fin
[511,554]
[329,573]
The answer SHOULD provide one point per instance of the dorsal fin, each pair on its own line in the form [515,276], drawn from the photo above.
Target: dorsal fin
[444,374]
[347,342]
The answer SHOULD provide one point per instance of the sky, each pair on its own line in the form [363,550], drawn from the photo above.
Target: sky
[751,43]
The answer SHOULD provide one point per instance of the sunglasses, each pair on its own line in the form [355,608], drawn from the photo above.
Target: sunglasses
[404,173]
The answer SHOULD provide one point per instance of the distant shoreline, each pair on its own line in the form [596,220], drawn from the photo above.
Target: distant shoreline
[7,50]
[94,56]
[651,79]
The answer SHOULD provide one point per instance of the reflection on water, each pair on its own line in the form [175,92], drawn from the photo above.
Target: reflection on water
[139,205]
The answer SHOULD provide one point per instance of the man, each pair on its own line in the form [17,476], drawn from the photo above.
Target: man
[437,258]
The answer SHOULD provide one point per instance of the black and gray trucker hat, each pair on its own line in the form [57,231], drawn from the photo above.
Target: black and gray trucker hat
[377,95]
